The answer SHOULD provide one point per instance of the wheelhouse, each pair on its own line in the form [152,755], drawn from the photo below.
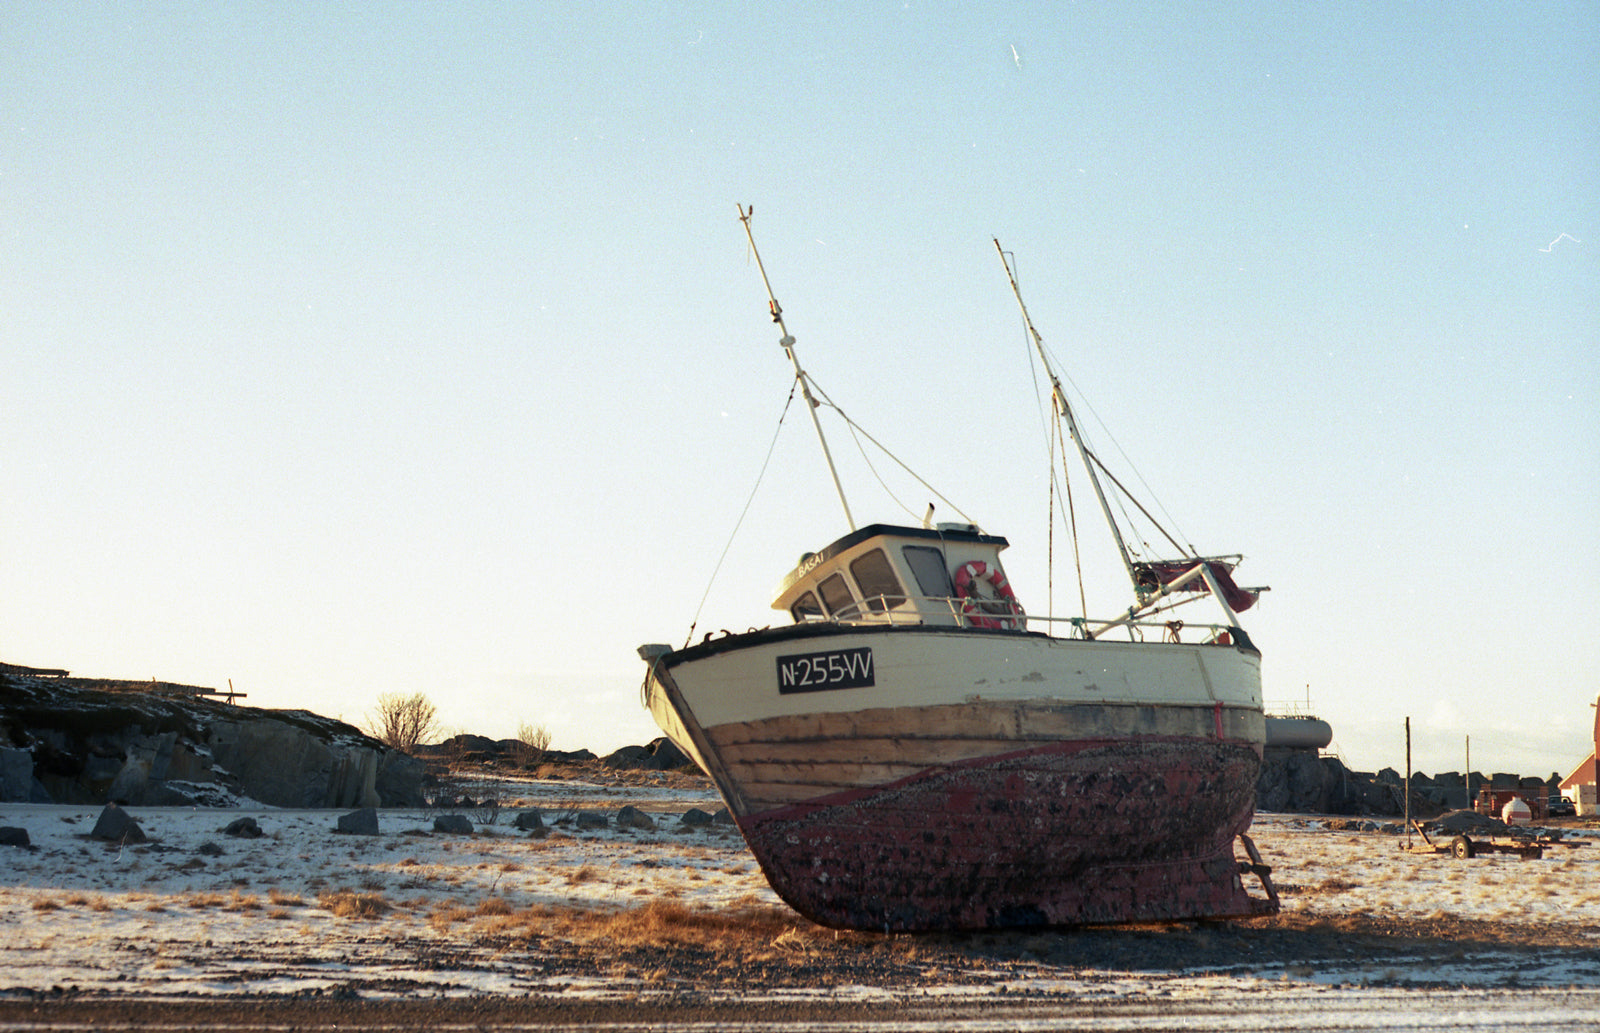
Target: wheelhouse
[884,574]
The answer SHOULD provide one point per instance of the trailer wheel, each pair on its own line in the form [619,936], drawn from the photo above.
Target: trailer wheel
[1462,848]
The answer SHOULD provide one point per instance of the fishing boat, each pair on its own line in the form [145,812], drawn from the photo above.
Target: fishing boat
[914,751]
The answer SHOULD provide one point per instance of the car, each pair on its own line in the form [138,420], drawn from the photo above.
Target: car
[1561,807]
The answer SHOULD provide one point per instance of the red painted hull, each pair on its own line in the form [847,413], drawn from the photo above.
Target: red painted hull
[1070,833]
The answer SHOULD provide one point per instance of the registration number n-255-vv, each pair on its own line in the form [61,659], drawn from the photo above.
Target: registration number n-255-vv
[819,672]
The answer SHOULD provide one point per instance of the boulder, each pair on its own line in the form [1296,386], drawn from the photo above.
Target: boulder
[660,755]
[363,822]
[115,825]
[694,817]
[243,828]
[528,821]
[454,824]
[628,758]
[11,835]
[631,817]
[17,784]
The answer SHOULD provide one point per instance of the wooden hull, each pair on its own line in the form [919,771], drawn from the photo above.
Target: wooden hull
[1085,783]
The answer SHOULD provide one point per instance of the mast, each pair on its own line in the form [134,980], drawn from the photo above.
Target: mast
[787,342]
[1065,411]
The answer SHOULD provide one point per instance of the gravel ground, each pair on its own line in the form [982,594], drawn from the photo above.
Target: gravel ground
[666,927]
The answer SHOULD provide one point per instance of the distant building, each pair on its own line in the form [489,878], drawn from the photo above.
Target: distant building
[1579,787]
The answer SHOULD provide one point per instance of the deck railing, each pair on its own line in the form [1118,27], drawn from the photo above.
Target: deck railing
[952,610]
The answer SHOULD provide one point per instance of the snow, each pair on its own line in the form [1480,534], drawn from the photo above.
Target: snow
[164,918]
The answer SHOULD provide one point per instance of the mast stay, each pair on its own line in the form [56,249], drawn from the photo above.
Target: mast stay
[1152,580]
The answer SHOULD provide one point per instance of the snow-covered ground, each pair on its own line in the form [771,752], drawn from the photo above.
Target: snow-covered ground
[304,909]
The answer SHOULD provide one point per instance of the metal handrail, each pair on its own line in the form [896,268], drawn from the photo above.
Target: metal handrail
[861,613]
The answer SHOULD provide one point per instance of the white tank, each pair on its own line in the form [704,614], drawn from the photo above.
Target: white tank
[1516,812]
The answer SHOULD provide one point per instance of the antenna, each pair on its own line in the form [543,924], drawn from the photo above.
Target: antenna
[787,341]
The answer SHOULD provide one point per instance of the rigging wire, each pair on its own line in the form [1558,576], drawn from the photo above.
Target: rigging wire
[1126,495]
[771,447]
[855,429]
[1051,424]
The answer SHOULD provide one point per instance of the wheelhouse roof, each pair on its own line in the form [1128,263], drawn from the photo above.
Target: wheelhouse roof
[812,560]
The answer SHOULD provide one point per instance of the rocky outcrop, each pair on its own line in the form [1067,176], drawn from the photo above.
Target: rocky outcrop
[660,755]
[64,742]
[1299,781]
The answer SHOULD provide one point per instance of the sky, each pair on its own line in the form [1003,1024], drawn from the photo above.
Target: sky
[352,349]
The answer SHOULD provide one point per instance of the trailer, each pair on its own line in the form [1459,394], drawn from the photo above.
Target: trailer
[1462,847]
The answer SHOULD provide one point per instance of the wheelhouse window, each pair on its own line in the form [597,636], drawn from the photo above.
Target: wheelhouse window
[927,566]
[875,577]
[836,594]
[806,608]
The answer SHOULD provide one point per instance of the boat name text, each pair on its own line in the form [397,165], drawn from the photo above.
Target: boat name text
[819,672]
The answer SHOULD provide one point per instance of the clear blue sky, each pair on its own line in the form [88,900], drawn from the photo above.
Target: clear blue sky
[356,348]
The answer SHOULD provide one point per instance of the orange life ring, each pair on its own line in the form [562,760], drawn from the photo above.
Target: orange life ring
[972,604]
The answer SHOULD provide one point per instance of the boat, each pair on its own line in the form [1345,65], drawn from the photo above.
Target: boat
[914,751]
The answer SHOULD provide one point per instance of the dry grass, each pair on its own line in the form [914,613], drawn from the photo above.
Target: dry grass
[242,902]
[445,917]
[494,906]
[345,903]
[756,931]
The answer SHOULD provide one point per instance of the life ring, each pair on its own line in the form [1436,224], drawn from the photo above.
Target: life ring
[973,604]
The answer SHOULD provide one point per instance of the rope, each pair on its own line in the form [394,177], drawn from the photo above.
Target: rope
[856,429]
[771,447]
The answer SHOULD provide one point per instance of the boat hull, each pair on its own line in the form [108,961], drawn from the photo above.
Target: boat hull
[981,781]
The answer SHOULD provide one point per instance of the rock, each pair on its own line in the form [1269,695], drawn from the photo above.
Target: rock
[591,820]
[668,756]
[631,817]
[660,755]
[722,817]
[1469,821]
[17,784]
[694,817]
[243,828]
[455,824]
[87,744]
[528,821]
[115,825]
[363,822]
[566,756]
[628,758]
[209,849]
[11,835]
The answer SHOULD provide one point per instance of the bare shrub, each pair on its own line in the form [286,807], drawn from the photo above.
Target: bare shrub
[401,722]
[532,742]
